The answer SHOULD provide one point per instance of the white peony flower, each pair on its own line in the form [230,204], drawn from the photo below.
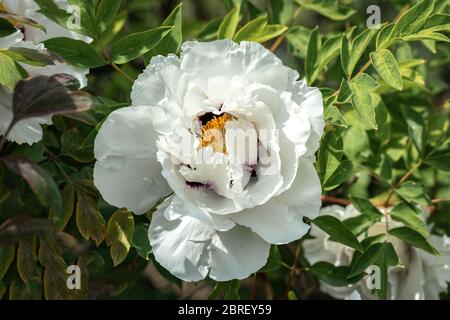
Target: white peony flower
[29,130]
[227,134]
[423,277]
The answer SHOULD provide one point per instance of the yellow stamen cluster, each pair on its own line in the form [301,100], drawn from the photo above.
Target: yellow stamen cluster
[213,133]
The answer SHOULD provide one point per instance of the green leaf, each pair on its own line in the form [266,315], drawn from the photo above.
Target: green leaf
[438,22]
[332,114]
[90,221]
[331,9]
[135,45]
[380,254]
[29,56]
[258,30]
[141,242]
[356,143]
[119,235]
[345,54]
[342,174]
[410,216]
[412,20]
[34,153]
[210,29]
[439,161]
[274,261]
[359,224]
[21,291]
[76,52]
[365,207]
[416,128]
[42,96]
[71,145]
[60,16]
[297,38]
[27,260]
[281,11]
[426,35]
[3,289]
[413,192]
[19,21]
[345,92]
[39,180]
[386,66]
[87,17]
[414,238]
[377,253]
[357,49]
[251,30]
[7,253]
[383,37]
[106,13]
[229,290]
[328,51]
[10,71]
[312,54]
[229,24]
[291,295]
[6,28]
[60,220]
[362,86]
[172,42]
[338,231]
[330,155]
[332,275]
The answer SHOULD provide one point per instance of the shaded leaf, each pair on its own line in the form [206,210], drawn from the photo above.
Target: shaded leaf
[42,96]
[90,221]
[338,231]
[141,242]
[39,180]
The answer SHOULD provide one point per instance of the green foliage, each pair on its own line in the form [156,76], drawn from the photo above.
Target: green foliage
[338,231]
[385,148]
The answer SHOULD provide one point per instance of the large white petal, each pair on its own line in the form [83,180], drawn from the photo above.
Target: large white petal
[304,194]
[286,210]
[127,173]
[227,59]
[191,250]
[310,100]
[179,208]
[274,222]
[162,84]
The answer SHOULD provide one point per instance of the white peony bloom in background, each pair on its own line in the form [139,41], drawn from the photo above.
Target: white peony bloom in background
[423,277]
[29,130]
[227,134]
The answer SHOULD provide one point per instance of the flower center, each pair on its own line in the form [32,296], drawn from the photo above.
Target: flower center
[213,132]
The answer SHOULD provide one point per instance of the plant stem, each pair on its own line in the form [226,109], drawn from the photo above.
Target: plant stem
[392,190]
[280,39]
[440,200]
[112,64]
[54,158]
[332,199]
[293,269]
